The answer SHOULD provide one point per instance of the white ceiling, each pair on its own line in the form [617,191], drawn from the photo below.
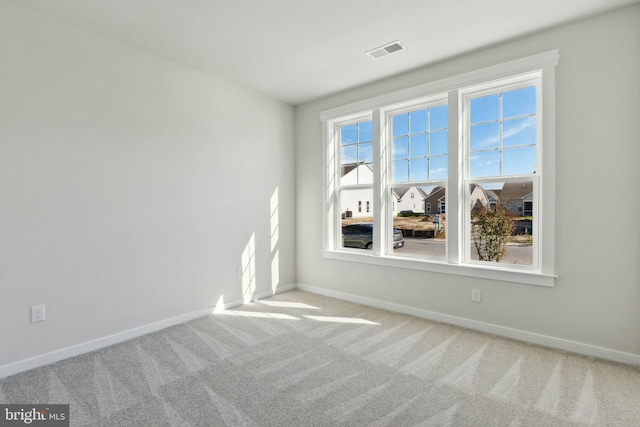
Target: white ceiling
[298,50]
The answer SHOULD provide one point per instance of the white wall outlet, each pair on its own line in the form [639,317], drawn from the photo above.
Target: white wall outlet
[37,313]
[476,295]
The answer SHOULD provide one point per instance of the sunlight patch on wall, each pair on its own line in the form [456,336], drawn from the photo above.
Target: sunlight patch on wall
[248,261]
[219,306]
[275,271]
[274,220]
[275,226]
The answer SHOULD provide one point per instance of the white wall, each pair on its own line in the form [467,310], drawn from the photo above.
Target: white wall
[596,297]
[129,187]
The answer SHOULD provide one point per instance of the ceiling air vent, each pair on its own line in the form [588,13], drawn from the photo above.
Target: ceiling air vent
[385,50]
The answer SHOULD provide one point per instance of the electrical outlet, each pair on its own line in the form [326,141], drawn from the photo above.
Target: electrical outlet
[476,295]
[37,313]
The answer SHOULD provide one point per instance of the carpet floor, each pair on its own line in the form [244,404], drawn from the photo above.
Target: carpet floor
[300,359]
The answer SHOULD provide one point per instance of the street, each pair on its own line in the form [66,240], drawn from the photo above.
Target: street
[517,253]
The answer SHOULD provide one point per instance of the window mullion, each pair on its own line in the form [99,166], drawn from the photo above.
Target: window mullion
[379,185]
[455,183]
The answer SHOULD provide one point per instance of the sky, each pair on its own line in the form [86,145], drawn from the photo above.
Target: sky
[502,139]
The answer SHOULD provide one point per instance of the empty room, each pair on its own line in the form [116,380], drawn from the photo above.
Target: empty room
[334,213]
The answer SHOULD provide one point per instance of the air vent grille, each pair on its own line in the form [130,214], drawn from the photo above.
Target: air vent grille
[385,50]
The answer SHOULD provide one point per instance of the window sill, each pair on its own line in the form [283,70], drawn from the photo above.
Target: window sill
[478,271]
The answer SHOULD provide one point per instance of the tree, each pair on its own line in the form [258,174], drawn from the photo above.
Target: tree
[490,231]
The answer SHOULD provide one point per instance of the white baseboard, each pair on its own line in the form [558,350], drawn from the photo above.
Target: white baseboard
[516,334]
[86,347]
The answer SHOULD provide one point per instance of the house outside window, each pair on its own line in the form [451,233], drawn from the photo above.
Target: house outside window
[480,132]
[442,206]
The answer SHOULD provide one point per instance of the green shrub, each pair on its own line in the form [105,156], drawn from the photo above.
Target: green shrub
[409,214]
[490,231]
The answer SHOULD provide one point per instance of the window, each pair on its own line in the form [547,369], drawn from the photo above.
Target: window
[417,140]
[473,142]
[501,155]
[354,153]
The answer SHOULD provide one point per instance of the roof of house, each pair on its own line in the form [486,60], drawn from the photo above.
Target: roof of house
[493,195]
[401,191]
[437,193]
[516,190]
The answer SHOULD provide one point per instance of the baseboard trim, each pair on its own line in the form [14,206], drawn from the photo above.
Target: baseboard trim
[89,346]
[516,334]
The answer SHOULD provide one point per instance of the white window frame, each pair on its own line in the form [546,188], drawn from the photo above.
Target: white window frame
[386,181]
[500,86]
[375,108]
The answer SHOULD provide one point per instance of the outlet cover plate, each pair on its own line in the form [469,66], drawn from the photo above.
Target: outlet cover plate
[37,313]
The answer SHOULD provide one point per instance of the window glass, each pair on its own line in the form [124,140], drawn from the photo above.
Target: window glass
[485,109]
[485,163]
[439,143]
[349,134]
[519,161]
[438,167]
[356,220]
[502,133]
[419,230]
[400,125]
[501,222]
[520,102]
[356,153]
[419,145]
[519,132]
[418,121]
[438,118]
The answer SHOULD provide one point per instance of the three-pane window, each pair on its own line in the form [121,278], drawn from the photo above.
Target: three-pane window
[454,177]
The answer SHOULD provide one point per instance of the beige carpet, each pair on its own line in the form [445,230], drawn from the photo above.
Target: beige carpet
[300,359]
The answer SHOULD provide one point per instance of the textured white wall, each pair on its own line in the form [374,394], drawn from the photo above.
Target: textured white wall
[129,187]
[597,295]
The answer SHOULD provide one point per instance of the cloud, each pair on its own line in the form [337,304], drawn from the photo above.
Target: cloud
[487,142]
[530,121]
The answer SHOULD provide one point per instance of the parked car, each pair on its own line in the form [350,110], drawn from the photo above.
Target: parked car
[361,236]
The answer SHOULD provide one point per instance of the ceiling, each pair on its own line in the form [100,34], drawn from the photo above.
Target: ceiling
[299,50]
